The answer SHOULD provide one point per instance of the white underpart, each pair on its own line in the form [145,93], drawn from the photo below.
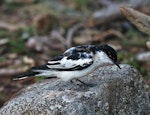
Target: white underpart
[100,59]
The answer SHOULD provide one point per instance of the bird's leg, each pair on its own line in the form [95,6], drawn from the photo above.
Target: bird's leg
[83,82]
[50,77]
[89,85]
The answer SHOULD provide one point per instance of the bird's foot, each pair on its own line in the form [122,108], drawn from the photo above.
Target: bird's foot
[85,84]
[89,85]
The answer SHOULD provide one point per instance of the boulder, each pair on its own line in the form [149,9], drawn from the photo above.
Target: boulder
[111,91]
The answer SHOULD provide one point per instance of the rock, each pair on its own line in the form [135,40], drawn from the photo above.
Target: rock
[143,57]
[113,91]
[148,44]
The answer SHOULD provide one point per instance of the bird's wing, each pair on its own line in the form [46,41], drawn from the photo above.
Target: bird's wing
[75,58]
[56,60]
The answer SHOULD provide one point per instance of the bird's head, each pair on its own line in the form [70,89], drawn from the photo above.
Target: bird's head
[110,52]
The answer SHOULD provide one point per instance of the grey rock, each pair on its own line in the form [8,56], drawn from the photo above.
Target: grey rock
[113,91]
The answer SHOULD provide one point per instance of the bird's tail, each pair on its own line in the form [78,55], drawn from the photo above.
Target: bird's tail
[41,70]
[26,75]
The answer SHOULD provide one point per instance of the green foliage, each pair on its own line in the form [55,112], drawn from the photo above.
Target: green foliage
[148,87]
[17,45]
[81,3]
[11,5]
[2,59]
[38,79]
[1,95]
[130,59]
[135,38]
[26,32]
[3,33]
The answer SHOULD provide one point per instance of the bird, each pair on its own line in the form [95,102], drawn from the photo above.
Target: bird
[75,62]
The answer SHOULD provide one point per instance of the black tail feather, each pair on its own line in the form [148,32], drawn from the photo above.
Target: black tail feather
[40,67]
[25,75]
[32,72]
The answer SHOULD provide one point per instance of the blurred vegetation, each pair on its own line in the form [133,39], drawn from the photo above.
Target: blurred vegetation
[16,45]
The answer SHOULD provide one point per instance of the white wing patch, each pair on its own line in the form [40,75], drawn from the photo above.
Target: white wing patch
[69,63]
[53,62]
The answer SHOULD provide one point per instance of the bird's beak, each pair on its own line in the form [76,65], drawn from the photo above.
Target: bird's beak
[117,65]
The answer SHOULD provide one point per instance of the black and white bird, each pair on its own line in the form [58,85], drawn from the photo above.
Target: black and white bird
[75,62]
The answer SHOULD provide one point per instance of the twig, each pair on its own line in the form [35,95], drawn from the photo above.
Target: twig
[57,35]
[13,72]
[109,32]
[11,27]
[70,33]
[140,20]
[4,64]
[111,11]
